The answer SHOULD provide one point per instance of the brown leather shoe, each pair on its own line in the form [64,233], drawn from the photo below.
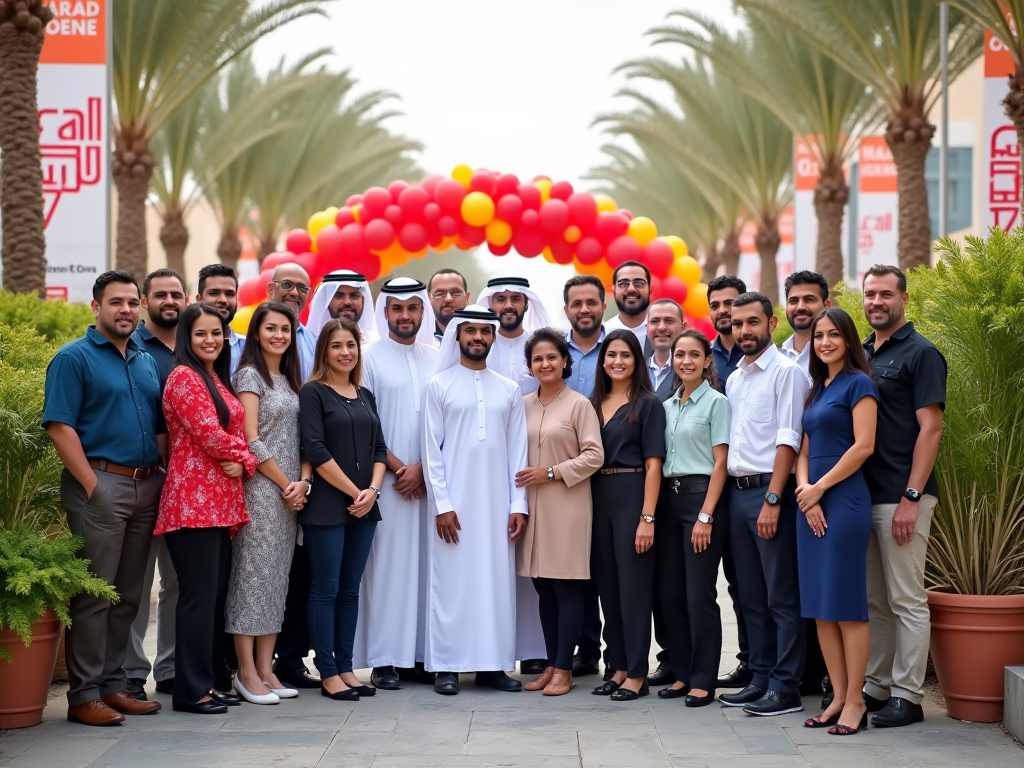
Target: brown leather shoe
[561,683]
[538,683]
[94,712]
[126,704]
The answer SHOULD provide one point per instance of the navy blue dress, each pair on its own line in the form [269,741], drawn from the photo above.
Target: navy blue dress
[833,575]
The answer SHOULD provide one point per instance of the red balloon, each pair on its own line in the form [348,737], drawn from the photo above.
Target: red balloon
[529,243]
[582,210]
[509,208]
[412,201]
[298,241]
[561,190]
[304,314]
[274,260]
[706,327]
[376,200]
[394,214]
[483,181]
[431,213]
[530,219]
[396,188]
[674,288]
[412,237]
[623,249]
[368,265]
[352,241]
[530,196]
[344,216]
[434,237]
[625,212]
[507,184]
[380,234]
[562,250]
[554,216]
[609,226]
[472,235]
[254,290]
[589,250]
[449,194]
[329,241]
[499,250]
[430,183]
[354,200]
[314,265]
[656,290]
[448,225]
[659,257]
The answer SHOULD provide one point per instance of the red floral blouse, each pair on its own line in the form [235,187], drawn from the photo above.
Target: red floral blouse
[197,493]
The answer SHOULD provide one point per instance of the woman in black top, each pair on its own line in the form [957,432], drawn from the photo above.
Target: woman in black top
[625,494]
[342,439]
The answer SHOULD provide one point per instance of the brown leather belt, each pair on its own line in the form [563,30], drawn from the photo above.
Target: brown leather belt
[621,470]
[135,473]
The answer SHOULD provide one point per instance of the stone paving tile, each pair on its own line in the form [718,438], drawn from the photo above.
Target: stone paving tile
[171,749]
[522,743]
[604,748]
[61,753]
[848,755]
[742,761]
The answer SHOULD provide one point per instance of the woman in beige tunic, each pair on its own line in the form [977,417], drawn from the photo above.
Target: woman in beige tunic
[564,438]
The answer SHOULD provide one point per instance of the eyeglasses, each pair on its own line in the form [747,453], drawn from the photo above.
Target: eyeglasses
[287,285]
[442,295]
[638,283]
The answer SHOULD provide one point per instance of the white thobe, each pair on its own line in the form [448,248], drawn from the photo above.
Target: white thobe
[508,357]
[475,438]
[392,600]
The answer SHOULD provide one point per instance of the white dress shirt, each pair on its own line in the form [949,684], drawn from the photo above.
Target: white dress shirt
[616,324]
[658,372]
[801,358]
[767,398]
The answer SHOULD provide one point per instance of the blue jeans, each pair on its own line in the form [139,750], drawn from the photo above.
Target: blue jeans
[337,557]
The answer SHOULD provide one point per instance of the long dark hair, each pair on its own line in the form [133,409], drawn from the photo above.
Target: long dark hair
[252,355]
[183,355]
[855,360]
[641,379]
[321,369]
[709,374]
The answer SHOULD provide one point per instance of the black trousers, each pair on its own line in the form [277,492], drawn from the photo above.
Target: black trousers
[660,630]
[625,579]
[687,582]
[589,641]
[202,560]
[293,642]
[729,568]
[561,616]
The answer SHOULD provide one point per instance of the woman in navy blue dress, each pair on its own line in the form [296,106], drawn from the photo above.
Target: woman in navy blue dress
[832,539]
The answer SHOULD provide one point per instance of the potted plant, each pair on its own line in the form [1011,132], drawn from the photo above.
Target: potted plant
[972,307]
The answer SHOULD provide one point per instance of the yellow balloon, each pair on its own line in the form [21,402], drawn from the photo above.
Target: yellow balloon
[544,185]
[477,209]
[548,256]
[678,245]
[642,229]
[688,270]
[573,234]
[242,317]
[318,221]
[332,211]
[498,232]
[605,204]
[463,174]
[696,303]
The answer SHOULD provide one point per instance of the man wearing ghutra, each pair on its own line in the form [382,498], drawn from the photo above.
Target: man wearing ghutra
[392,602]
[475,442]
[345,294]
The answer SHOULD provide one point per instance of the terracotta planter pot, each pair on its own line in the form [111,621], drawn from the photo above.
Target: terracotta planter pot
[973,638]
[25,682]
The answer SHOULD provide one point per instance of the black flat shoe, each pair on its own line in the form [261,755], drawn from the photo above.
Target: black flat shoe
[607,689]
[227,699]
[296,678]
[499,681]
[699,701]
[363,690]
[533,666]
[673,693]
[624,694]
[386,678]
[446,683]
[349,694]
[200,708]
[661,676]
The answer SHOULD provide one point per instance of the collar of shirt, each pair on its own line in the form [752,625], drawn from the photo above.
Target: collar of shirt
[236,338]
[572,342]
[763,360]
[131,349]
[802,357]
[901,333]
[695,397]
[658,371]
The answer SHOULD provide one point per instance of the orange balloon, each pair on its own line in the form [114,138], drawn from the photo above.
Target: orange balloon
[688,270]
[544,185]
[573,234]
[696,303]
[548,256]
[498,232]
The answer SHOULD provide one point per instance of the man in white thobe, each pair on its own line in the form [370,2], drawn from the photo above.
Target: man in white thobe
[475,442]
[520,312]
[343,294]
[392,601]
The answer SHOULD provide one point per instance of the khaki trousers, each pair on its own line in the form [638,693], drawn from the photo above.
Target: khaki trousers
[899,619]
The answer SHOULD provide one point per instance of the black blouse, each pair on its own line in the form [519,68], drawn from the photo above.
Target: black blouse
[348,431]
[629,444]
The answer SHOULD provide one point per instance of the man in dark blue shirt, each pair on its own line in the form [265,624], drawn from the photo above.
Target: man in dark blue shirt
[102,411]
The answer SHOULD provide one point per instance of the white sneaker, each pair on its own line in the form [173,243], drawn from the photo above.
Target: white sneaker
[282,693]
[252,698]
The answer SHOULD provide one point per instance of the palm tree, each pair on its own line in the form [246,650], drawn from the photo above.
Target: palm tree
[165,50]
[893,47]
[807,91]
[22,26]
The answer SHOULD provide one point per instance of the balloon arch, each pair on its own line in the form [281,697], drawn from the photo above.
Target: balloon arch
[382,229]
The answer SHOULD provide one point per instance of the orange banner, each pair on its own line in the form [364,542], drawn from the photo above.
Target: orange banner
[807,171]
[998,60]
[877,169]
[77,34]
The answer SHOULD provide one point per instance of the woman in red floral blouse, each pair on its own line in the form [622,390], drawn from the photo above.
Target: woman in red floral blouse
[202,503]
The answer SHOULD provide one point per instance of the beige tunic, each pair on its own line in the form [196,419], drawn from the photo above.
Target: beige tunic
[565,434]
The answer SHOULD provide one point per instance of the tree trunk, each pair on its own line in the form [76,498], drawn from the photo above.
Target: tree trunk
[712,261]
[230,247]
[909,136]
[830,196]
[1013,106]
[174,238]
[22,28]
[132,168]
[730,252]
[767,239]
[268,244]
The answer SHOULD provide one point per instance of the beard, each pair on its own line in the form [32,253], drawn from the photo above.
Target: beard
[638,307]
[888,321]
[473,354]
[800,322]
[345,312]
[394,328]
[723,325]
[159,319]
[762,344]
[112,330]
[586,326]
[511,325]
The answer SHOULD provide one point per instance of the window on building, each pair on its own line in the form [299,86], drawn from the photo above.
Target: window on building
[961,161]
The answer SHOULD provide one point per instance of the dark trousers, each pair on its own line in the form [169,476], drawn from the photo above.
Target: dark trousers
[625,579]
[292,644]
[769,588]
[815,669]
[117,525]
[202,560]
[660,630]
[337,558]
[687,582]
[589,641]
[561,616]
[729,569]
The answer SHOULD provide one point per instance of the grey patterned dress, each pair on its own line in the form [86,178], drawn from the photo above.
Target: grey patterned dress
[261,553]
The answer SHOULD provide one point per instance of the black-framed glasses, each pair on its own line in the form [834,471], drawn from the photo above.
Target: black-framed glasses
[639,283]
[287,285]
[442,295]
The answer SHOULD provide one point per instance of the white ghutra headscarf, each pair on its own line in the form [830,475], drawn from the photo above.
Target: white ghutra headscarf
[451,354]
[319,307]
[536,316]
[403,288]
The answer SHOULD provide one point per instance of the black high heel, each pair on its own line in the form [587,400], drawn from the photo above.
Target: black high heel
[820,722]
[845,730]
[624,694]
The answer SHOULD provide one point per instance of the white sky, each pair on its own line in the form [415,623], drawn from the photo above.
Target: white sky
[510,85]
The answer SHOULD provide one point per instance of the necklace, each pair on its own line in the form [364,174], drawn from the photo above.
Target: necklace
[549,402]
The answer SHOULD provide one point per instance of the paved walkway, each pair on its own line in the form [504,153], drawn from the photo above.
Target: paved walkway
[482,728]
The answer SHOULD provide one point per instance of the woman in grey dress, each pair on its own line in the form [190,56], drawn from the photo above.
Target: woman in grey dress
[267,383]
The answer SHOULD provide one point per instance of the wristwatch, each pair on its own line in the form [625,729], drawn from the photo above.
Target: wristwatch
[704,517]
[551,473]
[309,483]
[772,498]
[647,518]
[376,491]
[912,494]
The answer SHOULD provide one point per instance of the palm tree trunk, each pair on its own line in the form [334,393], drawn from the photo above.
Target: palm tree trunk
[21,174]
[830,196]
[730,252]
[712,261]
[268,244]
[174,238]
[132,168]
[767,239]
[230,247]
[1013,106]
[909,137]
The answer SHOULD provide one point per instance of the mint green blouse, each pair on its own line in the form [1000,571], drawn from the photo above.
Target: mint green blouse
[692,429]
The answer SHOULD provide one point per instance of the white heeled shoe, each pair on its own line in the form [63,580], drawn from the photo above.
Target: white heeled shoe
[252,698]
[282,693]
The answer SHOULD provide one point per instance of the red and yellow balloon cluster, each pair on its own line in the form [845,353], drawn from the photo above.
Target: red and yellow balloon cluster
[383,228]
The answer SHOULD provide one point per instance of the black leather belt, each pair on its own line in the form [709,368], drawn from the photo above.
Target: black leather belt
[621,470]
[752,481]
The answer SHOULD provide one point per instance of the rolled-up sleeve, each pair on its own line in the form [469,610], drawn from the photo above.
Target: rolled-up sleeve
[790,392]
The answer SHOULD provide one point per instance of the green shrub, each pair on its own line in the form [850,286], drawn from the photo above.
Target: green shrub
[54,320]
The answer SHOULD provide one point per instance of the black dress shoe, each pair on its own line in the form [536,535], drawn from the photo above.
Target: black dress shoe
[775,703]
[533,666]
[581,666]
[296,678]
[624,694]
[607,689]
[446,683]
[699,701]
[136,686]
[672,693]
[165,686]
[748,695]
[349,694]
[740,677]
[211,707]
[897,713]
[386,678]
[499,681]
[661,676]
[227,699]
[873,704]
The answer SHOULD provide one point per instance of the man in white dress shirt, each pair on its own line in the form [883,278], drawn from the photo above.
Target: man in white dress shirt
[767,394]
[475,438]
[632,283]
[343,294]
[806,297]
[392,601]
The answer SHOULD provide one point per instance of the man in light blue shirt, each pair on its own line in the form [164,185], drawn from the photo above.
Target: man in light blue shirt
[218,287]
[584,306]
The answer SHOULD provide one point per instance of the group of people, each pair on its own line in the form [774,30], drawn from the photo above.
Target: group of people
[427,486]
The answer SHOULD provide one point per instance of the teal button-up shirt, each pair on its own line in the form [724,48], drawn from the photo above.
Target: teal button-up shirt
[692,429]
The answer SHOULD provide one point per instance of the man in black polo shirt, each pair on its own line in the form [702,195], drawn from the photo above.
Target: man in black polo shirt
[911,377]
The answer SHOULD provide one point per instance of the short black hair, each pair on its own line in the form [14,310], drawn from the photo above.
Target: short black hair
[751,297]
[216,270]
[623,265]
[113,276]
[163,272]
[577,280]
[806,277]
[674,303]
[447,271]
[551,336]
[888,269]
[726,281]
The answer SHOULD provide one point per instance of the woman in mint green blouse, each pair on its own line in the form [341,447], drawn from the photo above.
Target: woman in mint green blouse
[691,520]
